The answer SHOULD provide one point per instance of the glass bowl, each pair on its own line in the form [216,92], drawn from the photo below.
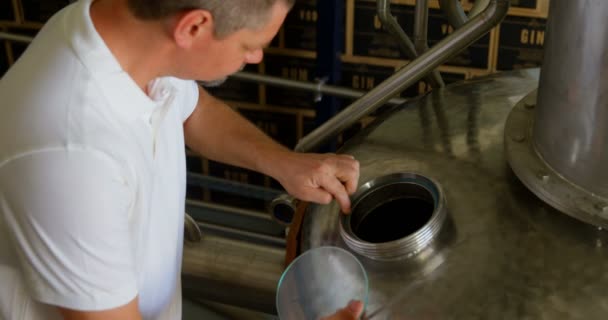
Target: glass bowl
[320,282]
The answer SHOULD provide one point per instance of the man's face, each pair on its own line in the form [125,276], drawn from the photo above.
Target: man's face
[218,58]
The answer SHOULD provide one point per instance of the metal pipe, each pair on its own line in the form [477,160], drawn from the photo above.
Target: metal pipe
[420,38]
[242,235]
[233,187]
[478,8]
[15,37]
[421,21]
[307,86]
[392,26]
[454,12]
[283,209]
[233,272]
[453,43]
[233,217]
[571,126]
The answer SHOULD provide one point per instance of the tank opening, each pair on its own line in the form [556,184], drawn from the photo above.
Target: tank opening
[392,212]
[394,216]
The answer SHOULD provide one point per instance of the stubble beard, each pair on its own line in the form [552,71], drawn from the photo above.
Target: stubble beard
[218,82]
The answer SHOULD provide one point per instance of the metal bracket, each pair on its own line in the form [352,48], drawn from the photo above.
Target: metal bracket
[319,93]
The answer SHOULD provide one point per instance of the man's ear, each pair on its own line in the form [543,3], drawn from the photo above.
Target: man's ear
[192,26]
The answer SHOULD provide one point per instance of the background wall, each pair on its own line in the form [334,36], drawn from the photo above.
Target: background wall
[369,56]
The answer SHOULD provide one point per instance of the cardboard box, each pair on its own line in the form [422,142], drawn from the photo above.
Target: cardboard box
[238,90]
[232,173]
[529,8]
[309,125]
[370,39]
[522,4]
[7,11]
[365,77]
[358,74]
[521,42]
[39,11]
[281,126]
[194,164]
[16,49]
[477,55]
[294,68]
[300,27]
[3,58]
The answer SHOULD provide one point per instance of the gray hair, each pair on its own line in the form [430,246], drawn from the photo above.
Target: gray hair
[229,15]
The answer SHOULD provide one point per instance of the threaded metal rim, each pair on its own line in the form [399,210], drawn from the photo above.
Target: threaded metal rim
[411,244]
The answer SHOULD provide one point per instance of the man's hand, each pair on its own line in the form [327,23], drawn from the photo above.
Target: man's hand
[318,177]
[352,312]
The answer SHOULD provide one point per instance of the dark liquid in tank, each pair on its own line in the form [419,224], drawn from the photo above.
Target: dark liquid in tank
[394,220]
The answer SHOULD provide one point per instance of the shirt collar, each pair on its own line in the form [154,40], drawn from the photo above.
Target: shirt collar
[118,87]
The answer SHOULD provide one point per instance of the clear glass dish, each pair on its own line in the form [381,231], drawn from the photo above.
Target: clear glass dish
[319,282]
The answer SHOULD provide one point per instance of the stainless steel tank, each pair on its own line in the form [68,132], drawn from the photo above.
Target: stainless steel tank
[444,227]
[563,153]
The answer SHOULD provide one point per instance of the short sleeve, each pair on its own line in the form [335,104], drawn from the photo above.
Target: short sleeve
[67,212]
[188,92]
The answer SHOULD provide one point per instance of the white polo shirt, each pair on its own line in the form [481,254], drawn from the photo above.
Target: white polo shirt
[92,179]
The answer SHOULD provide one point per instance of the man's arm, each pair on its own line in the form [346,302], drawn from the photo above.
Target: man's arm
[221,134]
[129,311]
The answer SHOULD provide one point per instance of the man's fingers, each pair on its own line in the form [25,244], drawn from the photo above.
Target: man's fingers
[348,172]
[351,312]
[350,181]
[341,180]
[338,191]
[324,177]
[355,307]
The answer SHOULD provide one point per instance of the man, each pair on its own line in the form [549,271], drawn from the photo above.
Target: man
[94,117]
